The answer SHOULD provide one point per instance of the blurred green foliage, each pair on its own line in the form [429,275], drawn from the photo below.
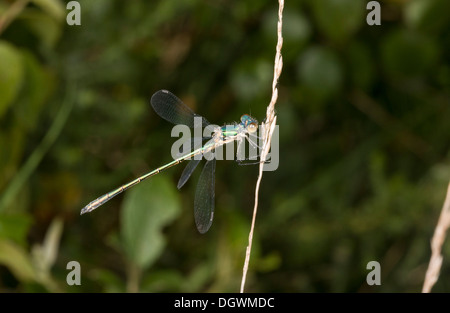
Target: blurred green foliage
[364,115]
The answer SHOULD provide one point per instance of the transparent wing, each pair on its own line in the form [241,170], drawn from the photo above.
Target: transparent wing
[172,109]
[204,197]
[187,172]
[194,144]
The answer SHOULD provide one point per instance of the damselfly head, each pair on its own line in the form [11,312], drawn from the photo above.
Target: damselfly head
[250,124]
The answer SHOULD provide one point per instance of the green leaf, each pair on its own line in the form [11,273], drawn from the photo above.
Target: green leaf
[147,208]
[54,8]
[163,280]
[296,27]
[338,19]
[407,53]
[110,281]
[45,27]
[15,227]
[428,15]
[17,260]
[37,85]
[321,72]
[11,75]
[251,77]
[269,262]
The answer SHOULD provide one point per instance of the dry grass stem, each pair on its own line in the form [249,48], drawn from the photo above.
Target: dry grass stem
[267,130]
[434,267]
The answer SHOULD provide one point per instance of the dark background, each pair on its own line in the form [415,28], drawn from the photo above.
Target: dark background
[364,117]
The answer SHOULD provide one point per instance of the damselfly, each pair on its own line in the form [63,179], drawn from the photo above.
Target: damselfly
[172,109]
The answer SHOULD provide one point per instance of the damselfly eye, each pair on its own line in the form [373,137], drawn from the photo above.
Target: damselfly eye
[252,127]
[244,117]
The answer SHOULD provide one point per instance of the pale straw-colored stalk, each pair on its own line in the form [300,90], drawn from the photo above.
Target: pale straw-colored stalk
[268,129]
[434,267]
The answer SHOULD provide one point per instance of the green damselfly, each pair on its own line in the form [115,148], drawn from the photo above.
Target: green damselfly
[172,109]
